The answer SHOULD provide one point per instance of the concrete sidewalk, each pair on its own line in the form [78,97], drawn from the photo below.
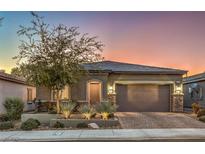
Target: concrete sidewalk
[106,135]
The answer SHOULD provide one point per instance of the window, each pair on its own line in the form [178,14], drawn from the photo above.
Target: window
[29,94]
[196,92]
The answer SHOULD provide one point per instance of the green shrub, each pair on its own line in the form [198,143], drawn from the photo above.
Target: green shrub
[106,109]
[202,118]
[58,125]
[6,125]
[201,112]
[67,108]
[82,125]
[38,122]
[87,111]
[4,117]
[14,108]
[30,124]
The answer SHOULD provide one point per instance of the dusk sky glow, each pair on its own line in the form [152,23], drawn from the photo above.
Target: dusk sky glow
[165,39]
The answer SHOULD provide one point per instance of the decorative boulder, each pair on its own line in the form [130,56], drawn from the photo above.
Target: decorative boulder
[93,125]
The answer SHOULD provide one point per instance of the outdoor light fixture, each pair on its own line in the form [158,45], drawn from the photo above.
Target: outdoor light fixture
[178,87]
[178,90]
[110,90]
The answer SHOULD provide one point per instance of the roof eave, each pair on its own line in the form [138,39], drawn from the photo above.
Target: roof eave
[140,72]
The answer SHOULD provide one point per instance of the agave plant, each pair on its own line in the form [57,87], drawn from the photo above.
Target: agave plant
[106,109]
[67,108]
[87,111]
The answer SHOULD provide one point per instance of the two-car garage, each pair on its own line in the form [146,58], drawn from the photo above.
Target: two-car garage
[143,97]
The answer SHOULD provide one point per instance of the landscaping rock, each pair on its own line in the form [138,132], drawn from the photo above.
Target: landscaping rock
[93,125]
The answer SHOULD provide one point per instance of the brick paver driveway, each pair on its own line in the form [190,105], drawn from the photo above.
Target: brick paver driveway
[131,120]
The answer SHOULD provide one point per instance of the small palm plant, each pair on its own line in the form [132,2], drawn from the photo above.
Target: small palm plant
[106,109]
[67,108]
[87,111]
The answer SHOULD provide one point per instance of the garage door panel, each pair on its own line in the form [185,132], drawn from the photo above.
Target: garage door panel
[144,98]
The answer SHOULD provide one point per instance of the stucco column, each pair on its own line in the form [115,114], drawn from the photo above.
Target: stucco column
[112,98]
[177,98]
[177,103]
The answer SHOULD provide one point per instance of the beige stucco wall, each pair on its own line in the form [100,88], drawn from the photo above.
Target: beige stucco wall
[79,90]
[43,93]
[11,89]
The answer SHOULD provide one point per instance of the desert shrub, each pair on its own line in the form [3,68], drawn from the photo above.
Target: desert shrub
[82,125]
[67,108]
[14,108]
[195,107]
[202,118]
[106,109]
[201,112]
[87,111]
[38,122]
[30,124]
[58,125]
[4,117]
[6,125]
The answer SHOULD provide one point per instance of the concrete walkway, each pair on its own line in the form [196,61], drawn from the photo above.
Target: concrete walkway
[106,135]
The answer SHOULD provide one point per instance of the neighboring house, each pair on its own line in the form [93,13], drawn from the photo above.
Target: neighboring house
[11,86]
[194,90]
[132,87]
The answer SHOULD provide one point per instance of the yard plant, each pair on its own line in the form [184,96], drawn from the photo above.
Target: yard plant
[195,107]
[201,112]
[6,125]
[87,111]
[30,124]
[14,108]
[58,125]
[67,108]
[106,109]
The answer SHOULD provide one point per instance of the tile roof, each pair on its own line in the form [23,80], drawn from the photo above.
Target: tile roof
[119,67]
[195,78]
[11,78]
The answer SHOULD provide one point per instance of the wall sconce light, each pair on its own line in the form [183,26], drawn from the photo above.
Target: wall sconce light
[110,90]
[178,88]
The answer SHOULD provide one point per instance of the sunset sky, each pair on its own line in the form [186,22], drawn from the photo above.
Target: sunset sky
[165,39]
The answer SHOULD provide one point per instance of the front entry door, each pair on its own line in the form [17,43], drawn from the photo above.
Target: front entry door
[94,93]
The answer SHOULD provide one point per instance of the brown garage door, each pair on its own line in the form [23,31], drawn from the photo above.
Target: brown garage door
[143,98]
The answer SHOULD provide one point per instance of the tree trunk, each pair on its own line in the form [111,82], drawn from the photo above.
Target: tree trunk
[57,102]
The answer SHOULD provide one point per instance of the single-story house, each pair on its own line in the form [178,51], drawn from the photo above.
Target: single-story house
[132,87]
[194,90]
[12,86]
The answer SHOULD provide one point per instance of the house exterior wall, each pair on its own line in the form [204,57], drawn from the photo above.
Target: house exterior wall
[43,93]
[12,89]
[79,90]
[187,97]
